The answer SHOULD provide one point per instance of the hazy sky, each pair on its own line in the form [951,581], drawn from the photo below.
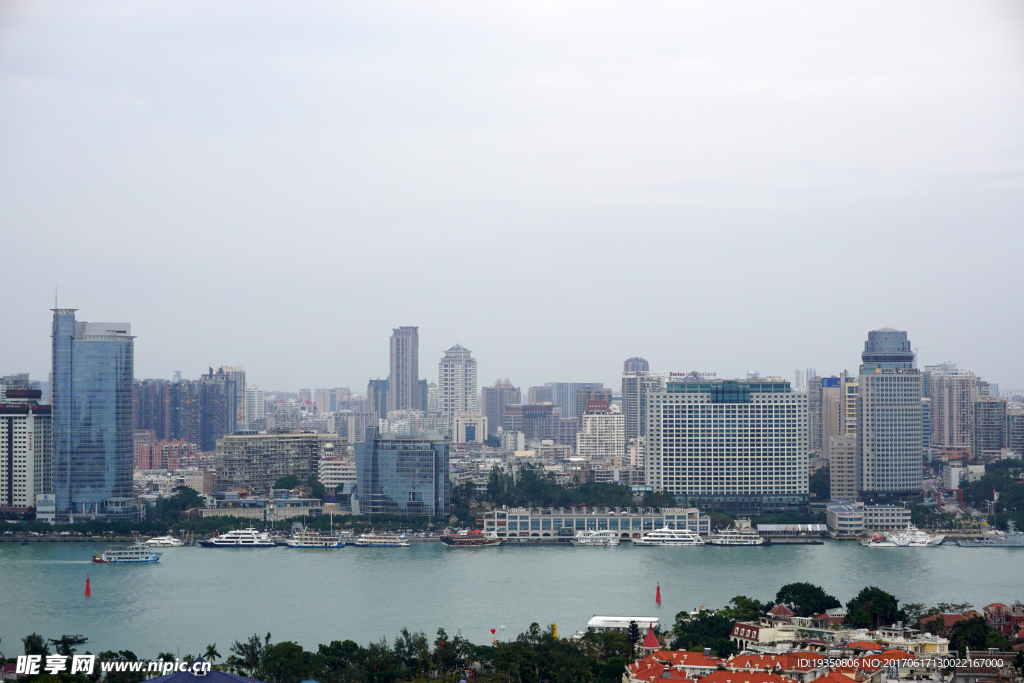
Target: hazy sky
[719,186]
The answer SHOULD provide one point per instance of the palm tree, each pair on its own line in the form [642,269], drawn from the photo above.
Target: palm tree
[165,657]
[211,653]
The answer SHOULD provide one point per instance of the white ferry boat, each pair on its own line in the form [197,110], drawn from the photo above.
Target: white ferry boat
[911,537]
[734,536]
[240,538]
[129,553]
[381,541]
[307,538]
[668,536]
[600,538]
[165,542]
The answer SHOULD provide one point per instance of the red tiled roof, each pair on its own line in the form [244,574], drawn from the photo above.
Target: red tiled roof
[947,619]
[864,645]
[745,677]
[781,611]
[651,641]
[791,661]
[672,663]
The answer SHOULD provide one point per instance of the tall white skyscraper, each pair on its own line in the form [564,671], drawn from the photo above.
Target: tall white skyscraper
[803,376]
[254,404]
[456,382]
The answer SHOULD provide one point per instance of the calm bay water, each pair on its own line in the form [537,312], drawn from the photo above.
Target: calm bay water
[194,596]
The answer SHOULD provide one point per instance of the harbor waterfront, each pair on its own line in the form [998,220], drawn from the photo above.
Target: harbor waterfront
[195,596]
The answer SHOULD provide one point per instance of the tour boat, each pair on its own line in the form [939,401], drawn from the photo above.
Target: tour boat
[733,536]
[240,538]
[372,540]
[307,538]
[666,536]
[599,538]
[474,538]
[911,537]
[165,542]
[128,553]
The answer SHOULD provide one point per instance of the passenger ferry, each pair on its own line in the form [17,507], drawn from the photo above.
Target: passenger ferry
[668,536]
[128,553]
[165,542]
[474,538]
[240,538]
[911,537]
[381,541]
[307,538]
[734,536]
[601,538]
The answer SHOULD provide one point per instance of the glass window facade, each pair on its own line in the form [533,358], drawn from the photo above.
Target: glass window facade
[404,474]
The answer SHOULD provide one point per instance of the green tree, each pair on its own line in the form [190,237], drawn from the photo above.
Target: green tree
[820,484]
[806,599]
[873,607]
[742,608]
[248,656]
[969,634]
[64,646]
[705,630]
[287,662]
[289,481]
[658,499]
[493,442]
[342,661]
[35,644]
[211,655]
[633,635]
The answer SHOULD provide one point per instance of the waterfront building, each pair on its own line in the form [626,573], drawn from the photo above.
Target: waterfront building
[403,474]
[585,396]
[989,429]
[200,481]
[889,418]
[953,393]
[93,368]
[539,395]
[255,406]
[635,364]
[843,480]
[253,462]
[494,400]
[469,427]
[403,381]
[852,518]
[736,446]
[335,470]
[635,388]
[456,383]
[563,395]
[273,508]
[602,434]
[546,522]
[26,450]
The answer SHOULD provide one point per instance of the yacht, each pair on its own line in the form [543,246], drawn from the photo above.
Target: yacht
[307,538]
[602,538]
[128,553]
[165,542]
[373,540]
[734,536]
[668,536]
[911,537]
[240,538]
[474,538]
[1012,539]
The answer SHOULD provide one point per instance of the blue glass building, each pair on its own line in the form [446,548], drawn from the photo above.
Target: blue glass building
[403,474]
[92,396]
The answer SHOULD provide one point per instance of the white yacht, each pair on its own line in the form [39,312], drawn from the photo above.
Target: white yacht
[240,538]
[165,542]
[911,537]
[668,536]
[734,536]
[307,538]
[136,552]
[605,538]
[373,540]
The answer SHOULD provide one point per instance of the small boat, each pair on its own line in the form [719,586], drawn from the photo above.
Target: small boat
[240,538]
[77,639]
[911,537]
[1012,539]
[308,538]
[734,536]
[165,542]
[372,540]
[596,538]
[127,553]
[474,538]
[666,536]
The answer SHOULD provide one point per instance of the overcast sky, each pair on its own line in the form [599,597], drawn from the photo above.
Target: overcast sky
[719,186]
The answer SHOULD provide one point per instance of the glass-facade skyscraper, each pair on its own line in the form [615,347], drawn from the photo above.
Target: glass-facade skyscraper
[93,374]
[403,474]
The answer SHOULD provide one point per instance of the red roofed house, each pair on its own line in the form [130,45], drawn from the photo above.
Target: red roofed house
[1006,620]
[781,611]
[947,620]
[671,665]
[800,666]
[650,643]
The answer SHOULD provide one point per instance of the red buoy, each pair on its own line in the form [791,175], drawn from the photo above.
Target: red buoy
[657,596]
[87,590]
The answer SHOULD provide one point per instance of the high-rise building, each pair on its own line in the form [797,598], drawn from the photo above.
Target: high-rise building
[93,368]
[255,461]
[635,364]
[735,446]
[563,394]
[322,400]
[926,427]
[989,431]
[602,434]
[635,388]
[456,383]
[377,398]
[953,393]
[850,389]
[889,418]
[1014,438]
[824,413]
[585,396]
[539,395]
[255,405]
[432,399]
[843,468]
[237,375]
[403,474]
[541,422]
[803,377]
[404,389]
[493,402]
[26,449]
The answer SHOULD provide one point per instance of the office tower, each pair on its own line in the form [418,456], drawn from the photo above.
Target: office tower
[926,427]
[404,387]
[255,405]
[432,399]
[237,375]
[735,446]
[585,396]
[456,382]
[803,376]
[377,399]
[602,434]
[989,429]
[255,461]
[635,388]
[824,413]
[152,406]
[563,394]
[493,402]
[635,364]
[843,468]
[1014,438]
[849,390]
[953,393]
[26,449]
[469,428]
[403,474]
[541,422]
[539,395]
[217,410]
[350,426]
[889,418]
[93,367]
